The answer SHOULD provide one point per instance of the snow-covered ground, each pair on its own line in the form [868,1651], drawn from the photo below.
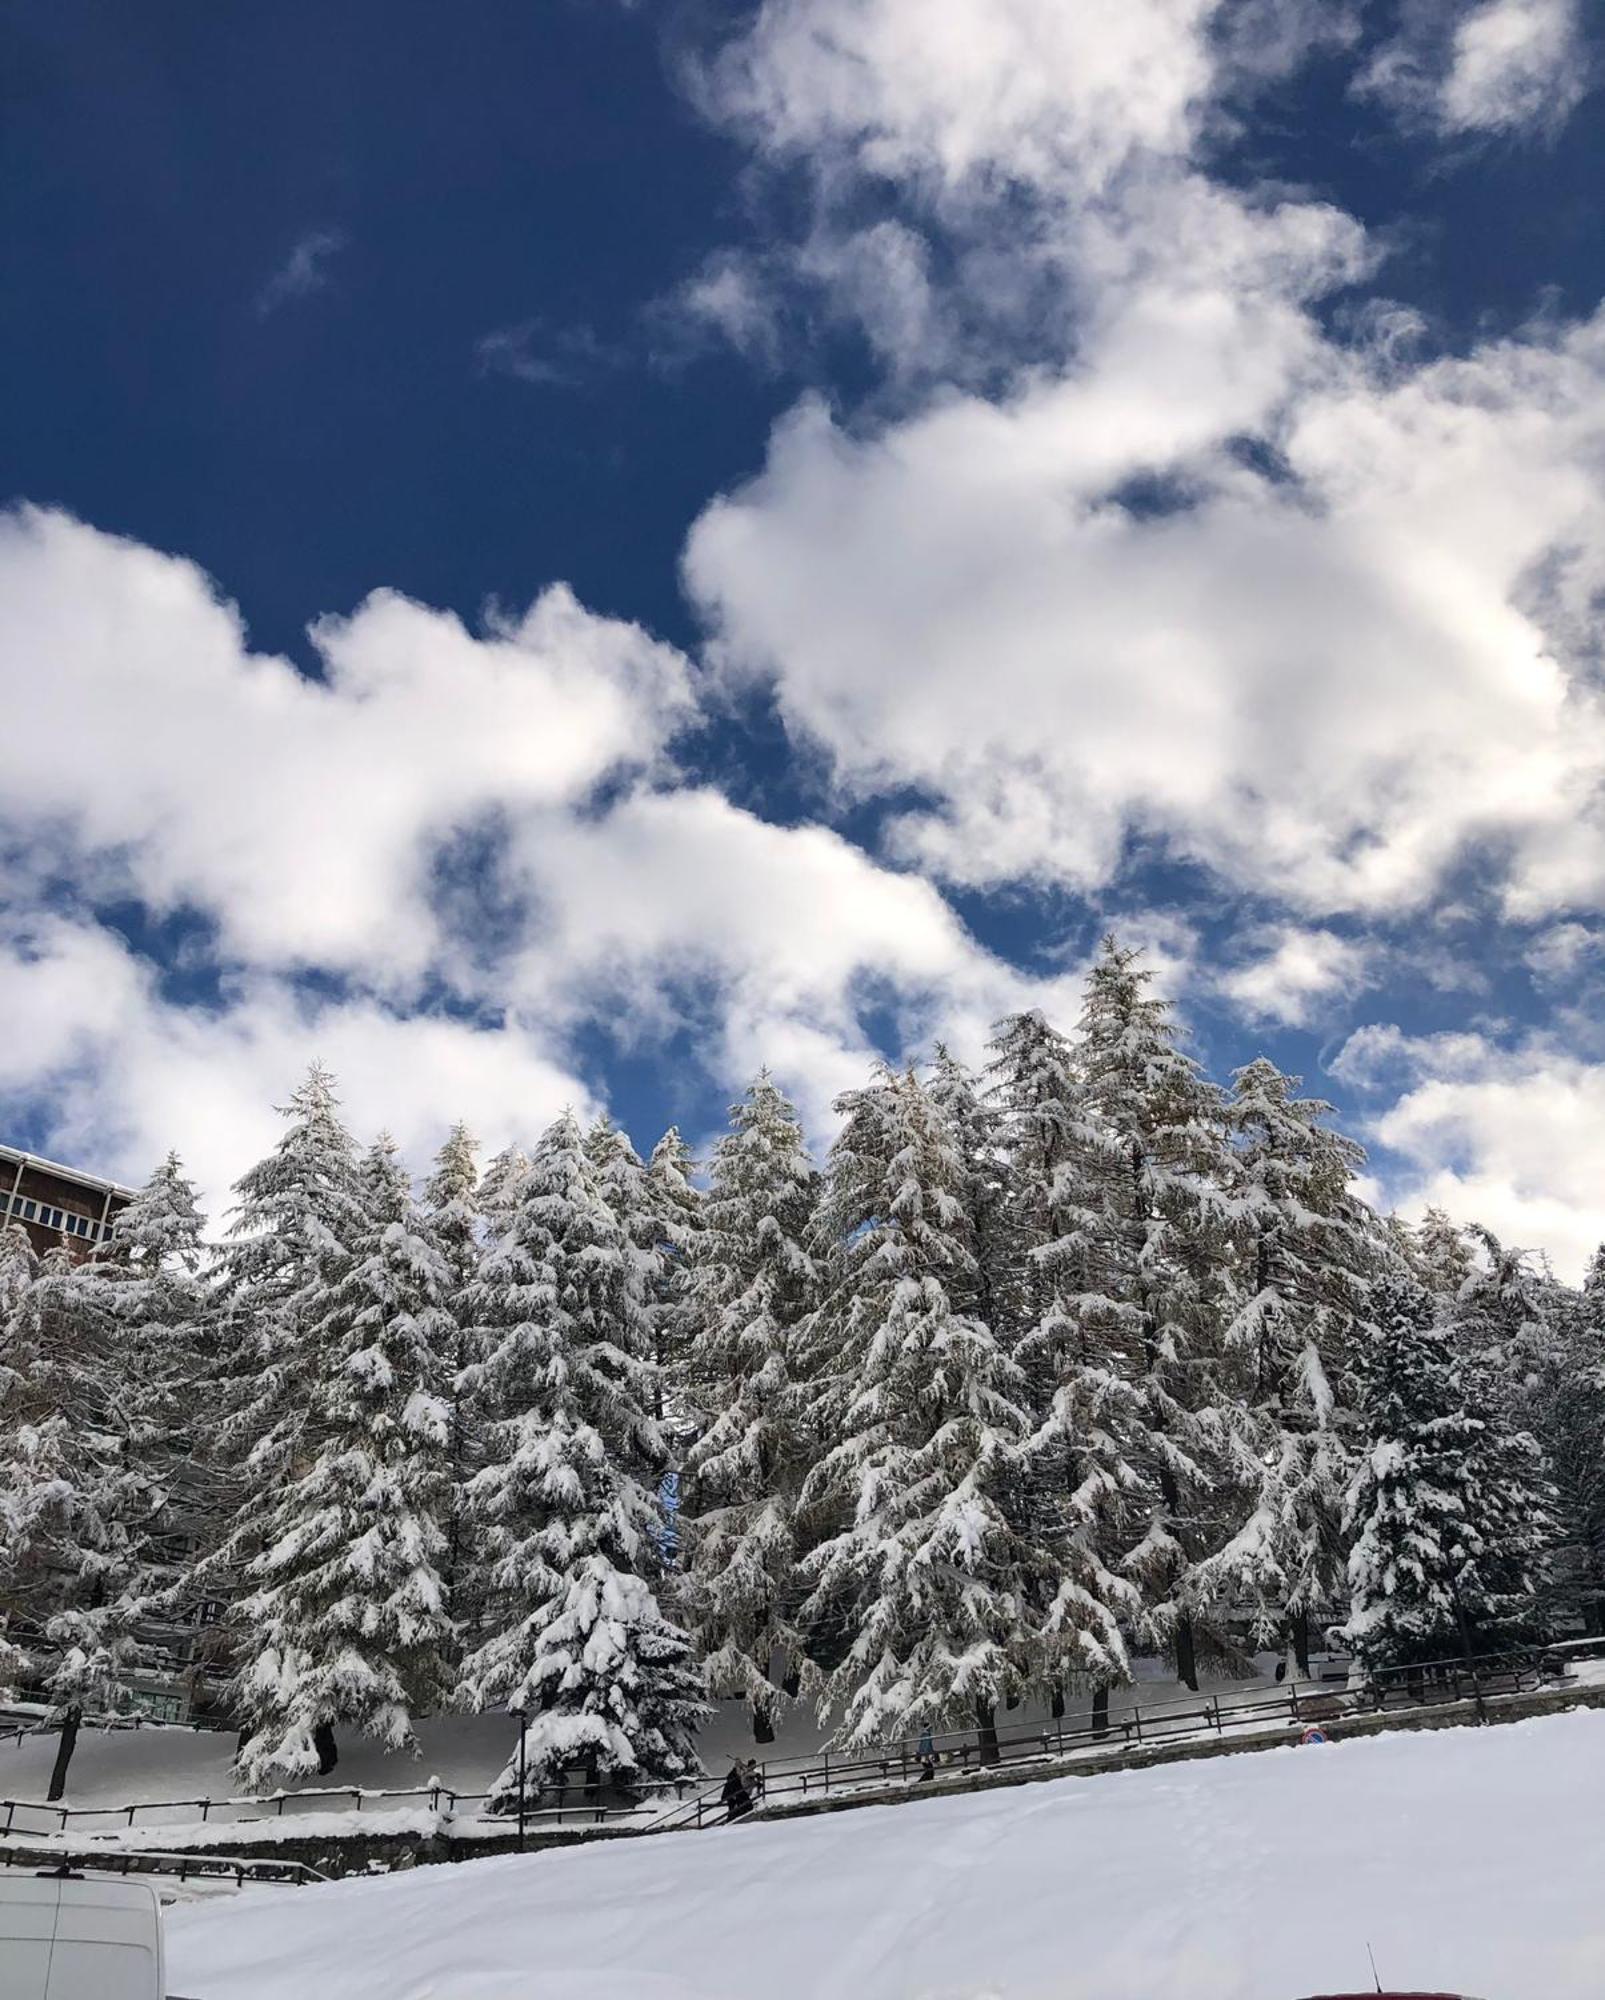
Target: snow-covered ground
[1469,1859]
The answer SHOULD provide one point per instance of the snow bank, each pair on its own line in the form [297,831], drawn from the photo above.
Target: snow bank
[1468,1858]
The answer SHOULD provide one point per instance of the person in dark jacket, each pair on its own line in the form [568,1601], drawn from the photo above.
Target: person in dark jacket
[735,1796]
[926,1753]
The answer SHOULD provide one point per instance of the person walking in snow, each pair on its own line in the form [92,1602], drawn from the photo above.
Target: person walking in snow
[752,1778]
[735,1796]
[926,1753]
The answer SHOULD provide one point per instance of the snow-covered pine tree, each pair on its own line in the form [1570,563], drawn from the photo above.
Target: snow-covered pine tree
[1078,1369]
[77,1500]
[18,1267]
[298,1212]
[621,1176]
[1159,1277]
[748,1286]
[500,1189]
[1505,1317]
[676,1202]
[451,1203]
[1307,1253]
[1442,1256]
[159,1300]
[1044,1132]
[452,1209]
[933,1569]
[1567,1405]
[826,1342]
[348,1606]
[1521,1339]
[1446,1507]
[568,1499]
[975,1122]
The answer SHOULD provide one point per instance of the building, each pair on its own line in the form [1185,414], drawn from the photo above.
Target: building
[57,1204]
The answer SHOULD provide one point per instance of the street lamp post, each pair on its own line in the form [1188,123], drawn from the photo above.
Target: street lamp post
[522,1715]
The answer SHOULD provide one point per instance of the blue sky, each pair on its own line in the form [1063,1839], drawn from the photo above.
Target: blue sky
[561,555]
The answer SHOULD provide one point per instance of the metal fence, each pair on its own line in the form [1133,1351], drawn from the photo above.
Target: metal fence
[1136,1725]
[1218,1715]
[564,1804]
[186,1867]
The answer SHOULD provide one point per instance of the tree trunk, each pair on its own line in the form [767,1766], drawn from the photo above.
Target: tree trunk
[1299,1634]
[763,1728]
[1100,1711]
[986,1727]
[1186,1653]
[64,1750]
[1056,1705]
[328,1753]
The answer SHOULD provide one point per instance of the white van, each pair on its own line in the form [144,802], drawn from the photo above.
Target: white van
[64,1937]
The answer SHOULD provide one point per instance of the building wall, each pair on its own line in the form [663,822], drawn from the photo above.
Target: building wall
[55,1204]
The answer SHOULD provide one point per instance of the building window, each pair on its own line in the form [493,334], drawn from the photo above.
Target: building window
[159,1707]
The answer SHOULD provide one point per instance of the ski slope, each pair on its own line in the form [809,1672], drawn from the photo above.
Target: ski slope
[1469,1859]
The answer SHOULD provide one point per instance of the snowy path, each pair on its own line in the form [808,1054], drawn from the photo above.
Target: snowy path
[1468,1858]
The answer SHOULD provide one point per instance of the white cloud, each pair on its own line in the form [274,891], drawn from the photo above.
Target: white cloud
[734,296]
[1297,973]
[778,943]
[304,271]
[1513,1137]
[303,815]
[1514,63]
[1326,685]
[1503,67]
[545,355]
[1557,955]
[118,1073]
[307,820]
[1027,90]
[1204,577]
